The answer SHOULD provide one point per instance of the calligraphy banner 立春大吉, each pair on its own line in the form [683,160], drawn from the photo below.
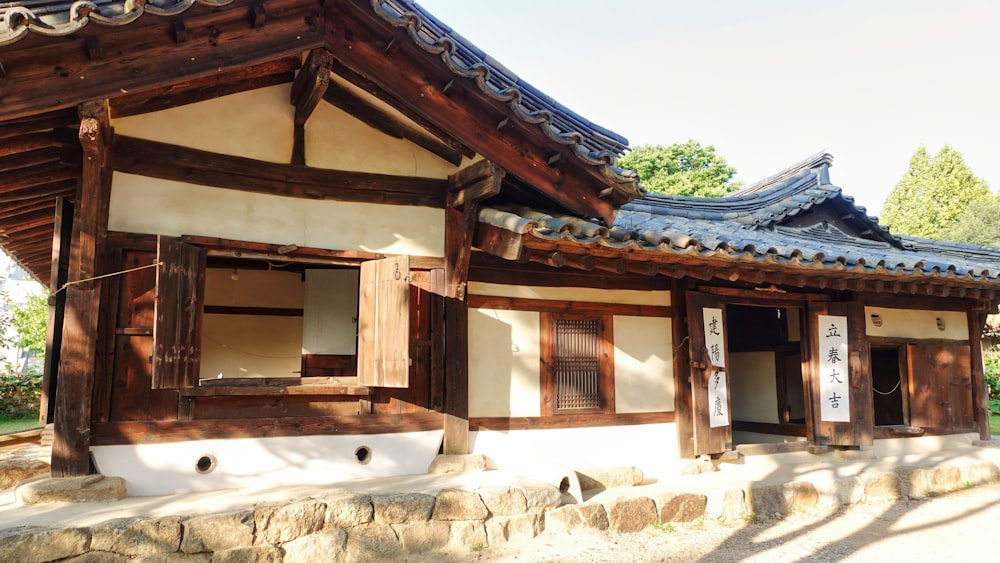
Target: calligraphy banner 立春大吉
[834,383]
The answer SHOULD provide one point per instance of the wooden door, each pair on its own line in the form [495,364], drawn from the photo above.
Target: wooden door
[384,323]
[710,386]
[941,386]
[840,385]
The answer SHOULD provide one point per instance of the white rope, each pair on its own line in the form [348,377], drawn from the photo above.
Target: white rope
[67,284]
[893,390]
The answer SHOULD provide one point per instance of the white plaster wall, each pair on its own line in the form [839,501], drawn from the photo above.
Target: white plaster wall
[650,447]
[753,386]
[330,317]
[169,468]
[915,323]
[644,375]
[255,124]
[337,141]
[590,295]
[259,124]
[504,361]
[154,206]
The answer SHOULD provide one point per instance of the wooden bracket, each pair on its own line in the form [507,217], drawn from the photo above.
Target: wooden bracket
[466,189]
[307,90]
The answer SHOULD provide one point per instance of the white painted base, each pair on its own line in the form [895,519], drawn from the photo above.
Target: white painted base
[650,447]
[168,468]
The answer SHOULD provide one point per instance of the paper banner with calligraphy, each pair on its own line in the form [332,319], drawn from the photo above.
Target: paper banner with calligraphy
[714,341]
[834,386]
[718,400]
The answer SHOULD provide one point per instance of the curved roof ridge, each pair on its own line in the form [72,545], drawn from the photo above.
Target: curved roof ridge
[591,143]
[813,161]
[741,204]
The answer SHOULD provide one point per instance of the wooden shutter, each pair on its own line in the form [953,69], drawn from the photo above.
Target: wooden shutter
[180,288]
[859,430]
[706,372]
[941,386]
[384,323]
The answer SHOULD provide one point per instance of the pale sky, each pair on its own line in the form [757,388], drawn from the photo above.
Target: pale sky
[767,82]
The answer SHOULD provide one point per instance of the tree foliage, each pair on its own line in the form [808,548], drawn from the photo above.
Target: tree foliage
[29,321]
[688,169]
[933,193]
[978,224]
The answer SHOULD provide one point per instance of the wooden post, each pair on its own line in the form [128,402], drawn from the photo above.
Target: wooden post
[466,188]
[977,320]
[57,305]
[456,397]
[683,407]
[77,370]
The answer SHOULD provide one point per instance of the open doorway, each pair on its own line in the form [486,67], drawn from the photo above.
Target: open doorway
[765,355]
[889,399]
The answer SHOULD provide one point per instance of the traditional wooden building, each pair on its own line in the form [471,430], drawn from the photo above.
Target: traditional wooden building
[298,241]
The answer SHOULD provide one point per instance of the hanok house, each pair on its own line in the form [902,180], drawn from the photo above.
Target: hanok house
[292,241]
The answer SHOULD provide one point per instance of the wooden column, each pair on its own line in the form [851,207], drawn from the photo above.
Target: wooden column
[683,407]
[456,377]
[61,236]
[71,444]
[977,320]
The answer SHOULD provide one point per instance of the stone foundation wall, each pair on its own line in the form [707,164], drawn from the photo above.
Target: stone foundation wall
[352,527]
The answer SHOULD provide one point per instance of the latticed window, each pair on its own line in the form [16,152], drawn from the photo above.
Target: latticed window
[578,364]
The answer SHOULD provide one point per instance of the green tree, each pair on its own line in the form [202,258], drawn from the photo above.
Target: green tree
[933,194]
[29,321]
[978,224]
[688,169]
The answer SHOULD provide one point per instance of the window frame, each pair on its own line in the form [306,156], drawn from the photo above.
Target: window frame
[549,355]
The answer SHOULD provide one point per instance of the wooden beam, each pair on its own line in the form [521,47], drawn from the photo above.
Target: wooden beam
[344,99]
[182,164]
[523,152]
[500,242]
[184,92]
[65,188]
[218,41]
[466,188]
[71,442]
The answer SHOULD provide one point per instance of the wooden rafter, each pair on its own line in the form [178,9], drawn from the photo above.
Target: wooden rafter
[466,188]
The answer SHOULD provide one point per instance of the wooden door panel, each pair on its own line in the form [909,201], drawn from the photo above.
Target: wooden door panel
[713,432]
[941,386]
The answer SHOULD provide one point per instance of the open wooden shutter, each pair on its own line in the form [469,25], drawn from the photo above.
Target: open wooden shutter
[840,376]
[384,323]
[941,386]
[180,288]
[710,386]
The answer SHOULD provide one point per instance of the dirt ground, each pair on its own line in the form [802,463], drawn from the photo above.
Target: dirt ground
[960,526]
